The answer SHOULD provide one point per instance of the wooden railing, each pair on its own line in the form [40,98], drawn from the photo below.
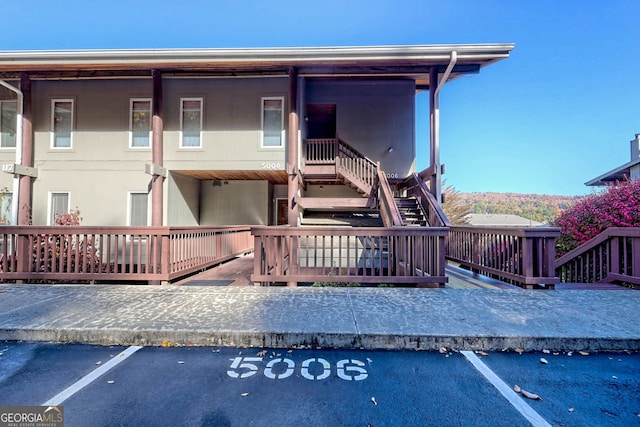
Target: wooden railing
[320,151]
[523,256]
[611,256]
[389,211]
[414,186]
[356,168]
[79,253]
[344,254]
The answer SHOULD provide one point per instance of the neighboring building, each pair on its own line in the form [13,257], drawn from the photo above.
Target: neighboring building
[212,136]
[628,171]
[501,220]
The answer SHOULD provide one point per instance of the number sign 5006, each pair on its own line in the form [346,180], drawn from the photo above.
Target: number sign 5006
[315,368]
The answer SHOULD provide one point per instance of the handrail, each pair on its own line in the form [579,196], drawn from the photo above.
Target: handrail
[613,255]
[417,188]
[355,167]
[524,256]
[389,211]
[410,255]
[112,253]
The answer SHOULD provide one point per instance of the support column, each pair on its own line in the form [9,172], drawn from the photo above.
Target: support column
[292,149]
[434,136]
[157,129]
[26,183]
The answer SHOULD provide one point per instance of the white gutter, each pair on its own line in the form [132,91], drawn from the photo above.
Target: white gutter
[436,144]
[16,179]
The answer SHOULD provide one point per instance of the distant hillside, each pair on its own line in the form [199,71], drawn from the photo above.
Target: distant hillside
[538,207]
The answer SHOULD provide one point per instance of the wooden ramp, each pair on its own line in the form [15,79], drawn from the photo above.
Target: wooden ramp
[460,278]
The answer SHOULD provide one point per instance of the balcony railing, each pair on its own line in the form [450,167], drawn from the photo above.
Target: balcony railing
[611,256]
[344,254]
[523,256]
[79,253]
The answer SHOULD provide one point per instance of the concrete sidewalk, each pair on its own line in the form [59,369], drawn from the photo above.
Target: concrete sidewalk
[384,318]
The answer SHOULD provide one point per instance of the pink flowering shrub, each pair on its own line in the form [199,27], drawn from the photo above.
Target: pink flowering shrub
[617,206]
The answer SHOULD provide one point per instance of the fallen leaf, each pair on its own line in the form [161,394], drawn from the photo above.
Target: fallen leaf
[166,343]
[244,394]
[571,409]
[583,353]
[482,353]
[544,361]
[110,382]
[546,351]
[373,400]
[614,377]
[262,353]
[180,362]
[99,363]
[530,395]
[570,353]
[519,350]
[517,388]
[443,350]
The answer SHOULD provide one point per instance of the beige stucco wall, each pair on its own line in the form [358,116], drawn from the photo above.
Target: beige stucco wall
[100,168]
[234,203]
[373,116]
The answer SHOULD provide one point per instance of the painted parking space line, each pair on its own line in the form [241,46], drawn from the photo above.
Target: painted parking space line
[516,401]
[90,377]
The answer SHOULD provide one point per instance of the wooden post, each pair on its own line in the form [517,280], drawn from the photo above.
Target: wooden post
[24,197]
[157,153]
[292,149]
[292,165]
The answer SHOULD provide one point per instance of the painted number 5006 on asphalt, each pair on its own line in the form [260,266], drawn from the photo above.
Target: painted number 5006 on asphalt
[315,368]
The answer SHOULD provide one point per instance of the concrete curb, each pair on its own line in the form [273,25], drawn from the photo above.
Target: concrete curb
[157,338]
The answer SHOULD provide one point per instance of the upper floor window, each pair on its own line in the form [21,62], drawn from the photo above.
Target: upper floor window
[190,122]
[138,214]
[61,123]
[272,122]
[8,123]
[140,123]
[58,205]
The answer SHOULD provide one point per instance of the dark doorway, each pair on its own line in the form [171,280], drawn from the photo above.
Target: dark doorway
[283,212]
[321,121]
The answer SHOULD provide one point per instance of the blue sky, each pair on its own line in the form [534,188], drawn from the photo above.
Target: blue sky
[560,111]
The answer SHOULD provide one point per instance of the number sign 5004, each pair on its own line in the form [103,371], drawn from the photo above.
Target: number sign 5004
[315,368]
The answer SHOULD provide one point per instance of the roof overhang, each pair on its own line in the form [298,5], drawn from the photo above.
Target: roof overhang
[619,174]
[413,62]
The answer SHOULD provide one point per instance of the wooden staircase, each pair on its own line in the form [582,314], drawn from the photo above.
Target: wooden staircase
[411,212]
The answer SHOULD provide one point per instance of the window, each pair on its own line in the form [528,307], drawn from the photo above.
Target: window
[8,123]
[140,123]
[272,122]
[61,123]
[58,205]
[6,202]
[190,122]
[138,209]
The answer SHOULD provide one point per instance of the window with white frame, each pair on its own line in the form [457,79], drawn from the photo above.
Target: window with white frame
[140,123]
[272,122]
[190,122]
[8,124]
[6,203]
[138,208]
[58,205]
[61,123]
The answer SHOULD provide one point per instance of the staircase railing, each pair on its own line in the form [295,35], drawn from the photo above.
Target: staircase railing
[613,255]
[320,151]
[389,211]
[355,167]
[416,187]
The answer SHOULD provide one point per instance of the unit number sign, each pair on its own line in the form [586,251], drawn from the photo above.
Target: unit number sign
[315,368]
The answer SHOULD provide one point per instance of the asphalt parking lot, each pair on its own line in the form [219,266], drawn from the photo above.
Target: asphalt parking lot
[223,386]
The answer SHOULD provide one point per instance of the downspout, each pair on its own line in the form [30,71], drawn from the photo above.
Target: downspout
[435,154]
[16,179]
